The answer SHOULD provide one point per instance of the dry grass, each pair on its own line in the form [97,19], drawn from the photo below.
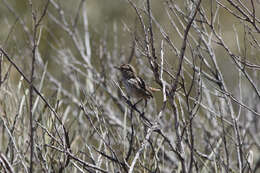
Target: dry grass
[62,108]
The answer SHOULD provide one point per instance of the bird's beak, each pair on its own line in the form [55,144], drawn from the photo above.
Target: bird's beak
[116,67]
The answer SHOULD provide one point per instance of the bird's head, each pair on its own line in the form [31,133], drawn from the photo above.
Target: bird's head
[127,70]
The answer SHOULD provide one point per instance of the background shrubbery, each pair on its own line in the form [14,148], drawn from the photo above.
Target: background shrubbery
[61,104]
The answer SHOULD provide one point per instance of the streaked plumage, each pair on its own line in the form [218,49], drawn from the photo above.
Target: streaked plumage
[134,85]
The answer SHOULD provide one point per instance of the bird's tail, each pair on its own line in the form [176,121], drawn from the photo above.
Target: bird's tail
[154,89]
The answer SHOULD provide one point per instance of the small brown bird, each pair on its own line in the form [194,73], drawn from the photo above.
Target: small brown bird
[135,85]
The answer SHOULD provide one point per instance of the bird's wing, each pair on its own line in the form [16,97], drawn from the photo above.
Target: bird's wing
[143,86]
